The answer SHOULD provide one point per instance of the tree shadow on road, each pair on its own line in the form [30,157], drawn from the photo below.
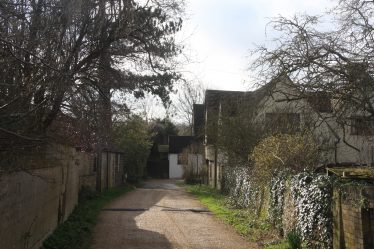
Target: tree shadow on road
[117,226]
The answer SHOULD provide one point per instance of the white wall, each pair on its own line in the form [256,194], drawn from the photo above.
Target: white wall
[175,169]
[276,103]
[326,126]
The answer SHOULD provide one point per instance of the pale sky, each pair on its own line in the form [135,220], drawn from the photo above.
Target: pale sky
[219,33]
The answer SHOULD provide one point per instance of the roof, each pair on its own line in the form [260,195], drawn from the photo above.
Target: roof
[198,119]
[178,143]
[320,101]
[218,102]
[213,98]
[353,172]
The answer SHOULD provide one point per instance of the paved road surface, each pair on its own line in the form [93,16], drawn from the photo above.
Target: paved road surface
[161,215]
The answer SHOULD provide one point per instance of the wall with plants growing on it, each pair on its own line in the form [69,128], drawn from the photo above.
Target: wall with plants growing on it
[311,196]
[239,187]
[276,203]
[280,187]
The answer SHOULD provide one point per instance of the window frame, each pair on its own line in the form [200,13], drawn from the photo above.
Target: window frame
[362,126]
[290,122]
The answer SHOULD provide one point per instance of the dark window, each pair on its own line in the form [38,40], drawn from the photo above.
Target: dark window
[363,126]
[282,122]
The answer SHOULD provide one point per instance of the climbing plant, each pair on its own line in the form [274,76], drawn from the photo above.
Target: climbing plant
[242,191]
[312,194]
[276,203]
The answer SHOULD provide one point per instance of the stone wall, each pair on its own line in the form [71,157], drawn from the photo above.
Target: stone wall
[33,201]
[353,222]
[87,170]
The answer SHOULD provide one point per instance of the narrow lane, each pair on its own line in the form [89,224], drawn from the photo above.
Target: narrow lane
[162,216]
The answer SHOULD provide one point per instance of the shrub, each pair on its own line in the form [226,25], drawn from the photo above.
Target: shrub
[133,137]
[294,152]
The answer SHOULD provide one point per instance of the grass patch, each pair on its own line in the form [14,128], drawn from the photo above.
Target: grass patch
[278,245]
[180,183]
[76,231]
[283,244]
[244,221]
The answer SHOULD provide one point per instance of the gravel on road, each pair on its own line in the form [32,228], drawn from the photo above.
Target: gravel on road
[161,215]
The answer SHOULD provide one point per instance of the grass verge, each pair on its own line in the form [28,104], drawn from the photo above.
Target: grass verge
[283,244]
[244,221]
[76,231]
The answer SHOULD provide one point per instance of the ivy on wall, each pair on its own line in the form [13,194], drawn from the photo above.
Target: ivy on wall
[242,192]
[312,194]
[277,191]
[352,191]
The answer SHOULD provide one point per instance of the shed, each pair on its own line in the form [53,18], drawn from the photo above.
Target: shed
[176,146]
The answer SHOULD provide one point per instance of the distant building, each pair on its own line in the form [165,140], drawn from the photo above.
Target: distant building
[279,107]
[183,156]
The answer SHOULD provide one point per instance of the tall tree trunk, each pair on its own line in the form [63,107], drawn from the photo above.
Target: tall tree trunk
[105,108]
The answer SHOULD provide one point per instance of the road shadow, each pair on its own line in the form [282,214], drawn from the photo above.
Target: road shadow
[117,226]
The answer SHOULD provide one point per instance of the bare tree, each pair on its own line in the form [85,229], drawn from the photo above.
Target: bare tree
[337,59]
[188,95]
